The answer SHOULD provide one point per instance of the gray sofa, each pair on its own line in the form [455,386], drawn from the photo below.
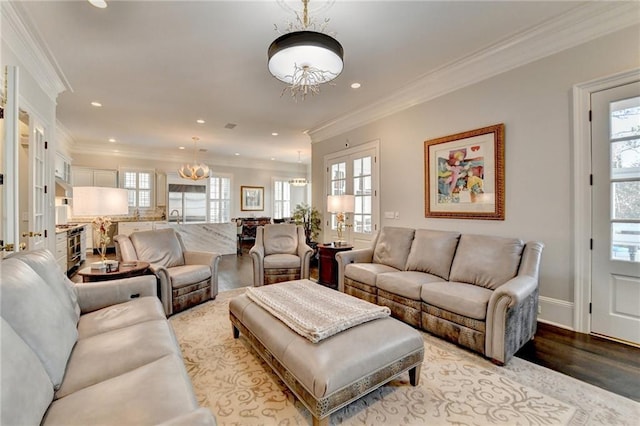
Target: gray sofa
[88,354]
[478,291]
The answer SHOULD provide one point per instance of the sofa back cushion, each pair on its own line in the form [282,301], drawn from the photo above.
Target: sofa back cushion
[392,247]
[35,313]
[432,252]
[485,260]
[159,247]
[26,388]
[280,239]
[44,264]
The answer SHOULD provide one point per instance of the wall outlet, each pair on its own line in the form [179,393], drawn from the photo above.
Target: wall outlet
[539,310]
[388,215]
[397,215]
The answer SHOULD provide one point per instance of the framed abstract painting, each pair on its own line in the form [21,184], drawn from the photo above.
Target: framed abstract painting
[464,175]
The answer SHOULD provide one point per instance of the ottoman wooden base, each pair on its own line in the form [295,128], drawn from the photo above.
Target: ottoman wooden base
[371,359]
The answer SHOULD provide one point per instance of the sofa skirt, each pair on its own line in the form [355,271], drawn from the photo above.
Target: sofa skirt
[360,290]
[279,275]
[406,310]
[190,295]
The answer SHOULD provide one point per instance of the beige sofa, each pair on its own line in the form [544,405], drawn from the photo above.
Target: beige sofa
[478,291]
[185,278]
[88,354]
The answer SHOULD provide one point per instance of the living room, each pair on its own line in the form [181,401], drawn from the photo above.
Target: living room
[536,96]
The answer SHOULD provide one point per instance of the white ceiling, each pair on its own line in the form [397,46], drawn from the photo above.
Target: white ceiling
[157,66]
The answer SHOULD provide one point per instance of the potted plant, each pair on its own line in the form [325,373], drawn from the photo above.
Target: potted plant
[310,219]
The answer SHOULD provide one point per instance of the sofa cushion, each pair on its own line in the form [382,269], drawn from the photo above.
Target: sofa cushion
[27,390]
[188,274]
[366,272]
[463,299]
[392,247]
[432,252]
[485,260]
[160,247]
[32,309]
[287,261]
[152,340]
[118,316]
[151,394]
[405,283]
[281,238]
[45,265]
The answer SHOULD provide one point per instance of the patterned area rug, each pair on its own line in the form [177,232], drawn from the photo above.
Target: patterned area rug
[456,386]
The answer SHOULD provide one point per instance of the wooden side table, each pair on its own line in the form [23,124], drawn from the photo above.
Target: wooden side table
[125,270]
[328,265]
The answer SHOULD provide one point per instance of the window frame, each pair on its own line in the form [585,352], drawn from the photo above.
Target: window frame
[152,187]
[211,200]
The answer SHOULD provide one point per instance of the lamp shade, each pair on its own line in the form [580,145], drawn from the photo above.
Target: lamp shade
[341,203]
[99,201]
[305,50]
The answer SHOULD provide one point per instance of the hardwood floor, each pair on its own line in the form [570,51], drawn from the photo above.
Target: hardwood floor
[609,365]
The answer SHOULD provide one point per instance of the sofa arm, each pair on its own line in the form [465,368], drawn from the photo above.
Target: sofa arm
[511,318]
[354,256]
[94,296]
[304,253]
[164,286]
[257,256]
[199,417]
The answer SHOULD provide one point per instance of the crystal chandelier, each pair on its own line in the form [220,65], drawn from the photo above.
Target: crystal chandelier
[304,58]
[197,171]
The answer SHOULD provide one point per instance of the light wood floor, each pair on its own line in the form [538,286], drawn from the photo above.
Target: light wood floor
[600,362]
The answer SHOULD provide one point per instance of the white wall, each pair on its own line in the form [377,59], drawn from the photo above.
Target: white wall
[534,102]
[241,176]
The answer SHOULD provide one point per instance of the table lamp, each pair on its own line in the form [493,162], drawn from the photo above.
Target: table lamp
[340,204]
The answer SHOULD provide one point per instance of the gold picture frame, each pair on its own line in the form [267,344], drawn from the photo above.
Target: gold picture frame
[252,198]
[464,175]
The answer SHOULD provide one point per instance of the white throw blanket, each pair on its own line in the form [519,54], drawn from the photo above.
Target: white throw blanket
[312,310]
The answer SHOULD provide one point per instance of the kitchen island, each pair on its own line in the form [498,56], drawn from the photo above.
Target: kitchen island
[215,237]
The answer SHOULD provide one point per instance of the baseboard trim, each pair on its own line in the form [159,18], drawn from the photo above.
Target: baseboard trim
[556,312]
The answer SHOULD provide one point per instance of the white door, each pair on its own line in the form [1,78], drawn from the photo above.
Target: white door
[9,230]
[615,144]
[354,172]
[37,194]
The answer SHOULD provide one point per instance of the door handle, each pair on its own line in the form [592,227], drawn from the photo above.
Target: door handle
[8,247]
[32,234]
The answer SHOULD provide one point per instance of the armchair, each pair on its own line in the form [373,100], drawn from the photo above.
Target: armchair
[280,254]
[185,278]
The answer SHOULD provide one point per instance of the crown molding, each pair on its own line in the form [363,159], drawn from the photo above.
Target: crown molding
[186,156]
[577,26]
[30,50]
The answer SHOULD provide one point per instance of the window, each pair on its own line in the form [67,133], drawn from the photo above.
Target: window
[219,199]
[139,186]
[337,185]
[281,199]
[363,191]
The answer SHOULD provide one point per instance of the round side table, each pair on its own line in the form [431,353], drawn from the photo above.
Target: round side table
[125,270]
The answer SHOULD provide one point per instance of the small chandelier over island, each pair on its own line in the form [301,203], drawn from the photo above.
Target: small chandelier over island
[195,171]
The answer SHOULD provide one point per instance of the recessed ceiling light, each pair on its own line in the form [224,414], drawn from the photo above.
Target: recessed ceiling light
[355,85]
[181,147]
[237,153]
[273,158]
[96,104]
[112,140]
[200,121]
[101,4]
[274,134]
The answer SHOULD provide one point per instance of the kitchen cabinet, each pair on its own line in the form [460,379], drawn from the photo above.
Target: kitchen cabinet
[127,228]
[61,250]
[63,168]
[161,189]
[85,176]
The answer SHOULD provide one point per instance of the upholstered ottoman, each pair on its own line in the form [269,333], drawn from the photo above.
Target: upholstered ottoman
[327,375]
